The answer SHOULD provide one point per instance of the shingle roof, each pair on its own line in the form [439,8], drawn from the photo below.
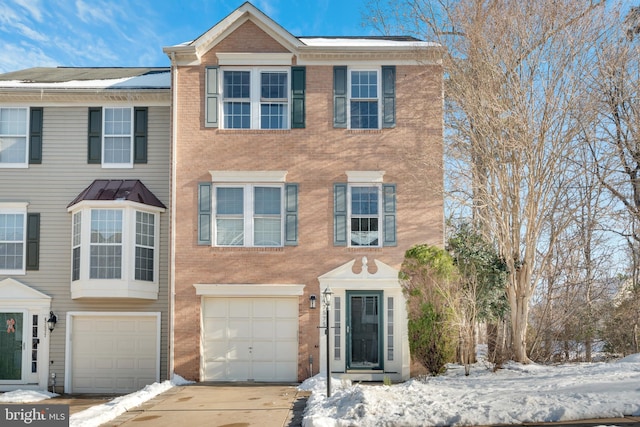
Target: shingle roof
[66,74]
[132,190]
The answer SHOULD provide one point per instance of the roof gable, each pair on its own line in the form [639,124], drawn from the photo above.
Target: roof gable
[197,48]
[11,289]
[384,277]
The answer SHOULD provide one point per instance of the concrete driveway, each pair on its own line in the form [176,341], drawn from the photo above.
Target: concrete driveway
[219,405]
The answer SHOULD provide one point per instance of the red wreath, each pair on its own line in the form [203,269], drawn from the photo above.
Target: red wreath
[11,323]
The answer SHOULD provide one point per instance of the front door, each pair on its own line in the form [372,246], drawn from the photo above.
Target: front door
[11,345]
[364,330]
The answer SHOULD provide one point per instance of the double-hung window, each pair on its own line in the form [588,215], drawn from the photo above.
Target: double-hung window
[13,137]
[118,137]
[12,239]
[364,211]
[254,98]
[248,215]
[364,104]
[364,227]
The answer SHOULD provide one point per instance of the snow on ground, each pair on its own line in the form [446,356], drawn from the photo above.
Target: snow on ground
[513,395]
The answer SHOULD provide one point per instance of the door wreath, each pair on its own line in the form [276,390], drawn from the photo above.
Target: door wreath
[11,326]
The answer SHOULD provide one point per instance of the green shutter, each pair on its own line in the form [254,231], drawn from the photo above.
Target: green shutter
[94,151]
[340,214]
[35,136]
[204,213]
[389,212]
[140,115]
[211,97]
[388,97]
[298,87]
[33,241]
[340,97]
[291,215]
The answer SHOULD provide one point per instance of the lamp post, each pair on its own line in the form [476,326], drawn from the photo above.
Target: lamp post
[326,299]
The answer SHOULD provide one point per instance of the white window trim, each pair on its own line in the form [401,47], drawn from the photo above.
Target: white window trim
[127,285]
[25,164]
[126,165]
[248,212]
[17,208]
[378,71]
[255,100]
[378,186]
[248,176]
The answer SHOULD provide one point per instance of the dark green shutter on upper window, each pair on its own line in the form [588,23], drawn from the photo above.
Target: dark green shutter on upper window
[291,215]
[298,87]
[389,212]
[35,136]
[204,213]
[33,241]
[388,96]
[140,119]
[340,97]
[340,214]
[211,97]
[94,151]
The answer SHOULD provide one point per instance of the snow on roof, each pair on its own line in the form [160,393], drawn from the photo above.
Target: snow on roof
[366,42]
[155,80]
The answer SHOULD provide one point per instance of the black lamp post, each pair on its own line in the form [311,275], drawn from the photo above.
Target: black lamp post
[51,322]
[326,299]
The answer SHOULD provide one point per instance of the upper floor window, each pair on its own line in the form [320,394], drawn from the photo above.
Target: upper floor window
[19,238]
[364,101]
[255,98]
[248,208]
[117,136]
[114,244]
[364,98]
[12,240]
[365,216]
[249,215]
[13,137]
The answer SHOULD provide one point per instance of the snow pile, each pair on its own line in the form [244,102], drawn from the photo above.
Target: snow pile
[514,395]
[26,396]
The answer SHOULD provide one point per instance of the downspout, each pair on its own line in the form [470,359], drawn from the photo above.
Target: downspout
[172,243]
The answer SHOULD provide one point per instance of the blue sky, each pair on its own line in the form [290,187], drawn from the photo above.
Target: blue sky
[102,33]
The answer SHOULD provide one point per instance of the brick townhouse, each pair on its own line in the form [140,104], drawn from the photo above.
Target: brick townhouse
[300,165]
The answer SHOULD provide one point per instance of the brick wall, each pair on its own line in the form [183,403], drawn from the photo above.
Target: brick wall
[315,157]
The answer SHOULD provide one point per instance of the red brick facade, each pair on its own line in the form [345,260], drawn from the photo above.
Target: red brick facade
[315,157]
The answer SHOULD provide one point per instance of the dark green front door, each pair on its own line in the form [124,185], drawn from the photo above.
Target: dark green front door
[364,330]
[11,330]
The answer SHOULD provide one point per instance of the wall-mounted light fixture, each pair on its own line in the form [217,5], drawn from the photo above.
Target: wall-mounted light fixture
[312,301]
[51,322]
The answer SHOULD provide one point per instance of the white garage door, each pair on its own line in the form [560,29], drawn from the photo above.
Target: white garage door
[114,354]
[250,339]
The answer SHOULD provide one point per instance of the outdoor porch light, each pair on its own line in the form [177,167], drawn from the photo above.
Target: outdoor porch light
[312,301]
[51,322]
[326,299]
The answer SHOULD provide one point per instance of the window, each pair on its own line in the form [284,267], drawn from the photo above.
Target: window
[13,137]
[100,247]
[12,241]
[365,213]
[254,98]
[248,215]
[117,145]
[364,99]
[117,136]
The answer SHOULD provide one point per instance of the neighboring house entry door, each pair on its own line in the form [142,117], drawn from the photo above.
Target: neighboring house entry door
[364,330]
[11,346]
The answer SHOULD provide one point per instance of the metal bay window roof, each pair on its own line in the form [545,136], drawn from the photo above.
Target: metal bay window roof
[131,190]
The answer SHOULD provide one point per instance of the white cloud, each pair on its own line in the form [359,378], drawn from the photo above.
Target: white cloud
[14,57]
[34,7]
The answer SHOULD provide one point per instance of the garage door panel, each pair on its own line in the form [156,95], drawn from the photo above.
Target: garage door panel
[285,350]
[243,344]
[113,354]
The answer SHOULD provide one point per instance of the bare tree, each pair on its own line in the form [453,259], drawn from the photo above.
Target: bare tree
[515,77]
